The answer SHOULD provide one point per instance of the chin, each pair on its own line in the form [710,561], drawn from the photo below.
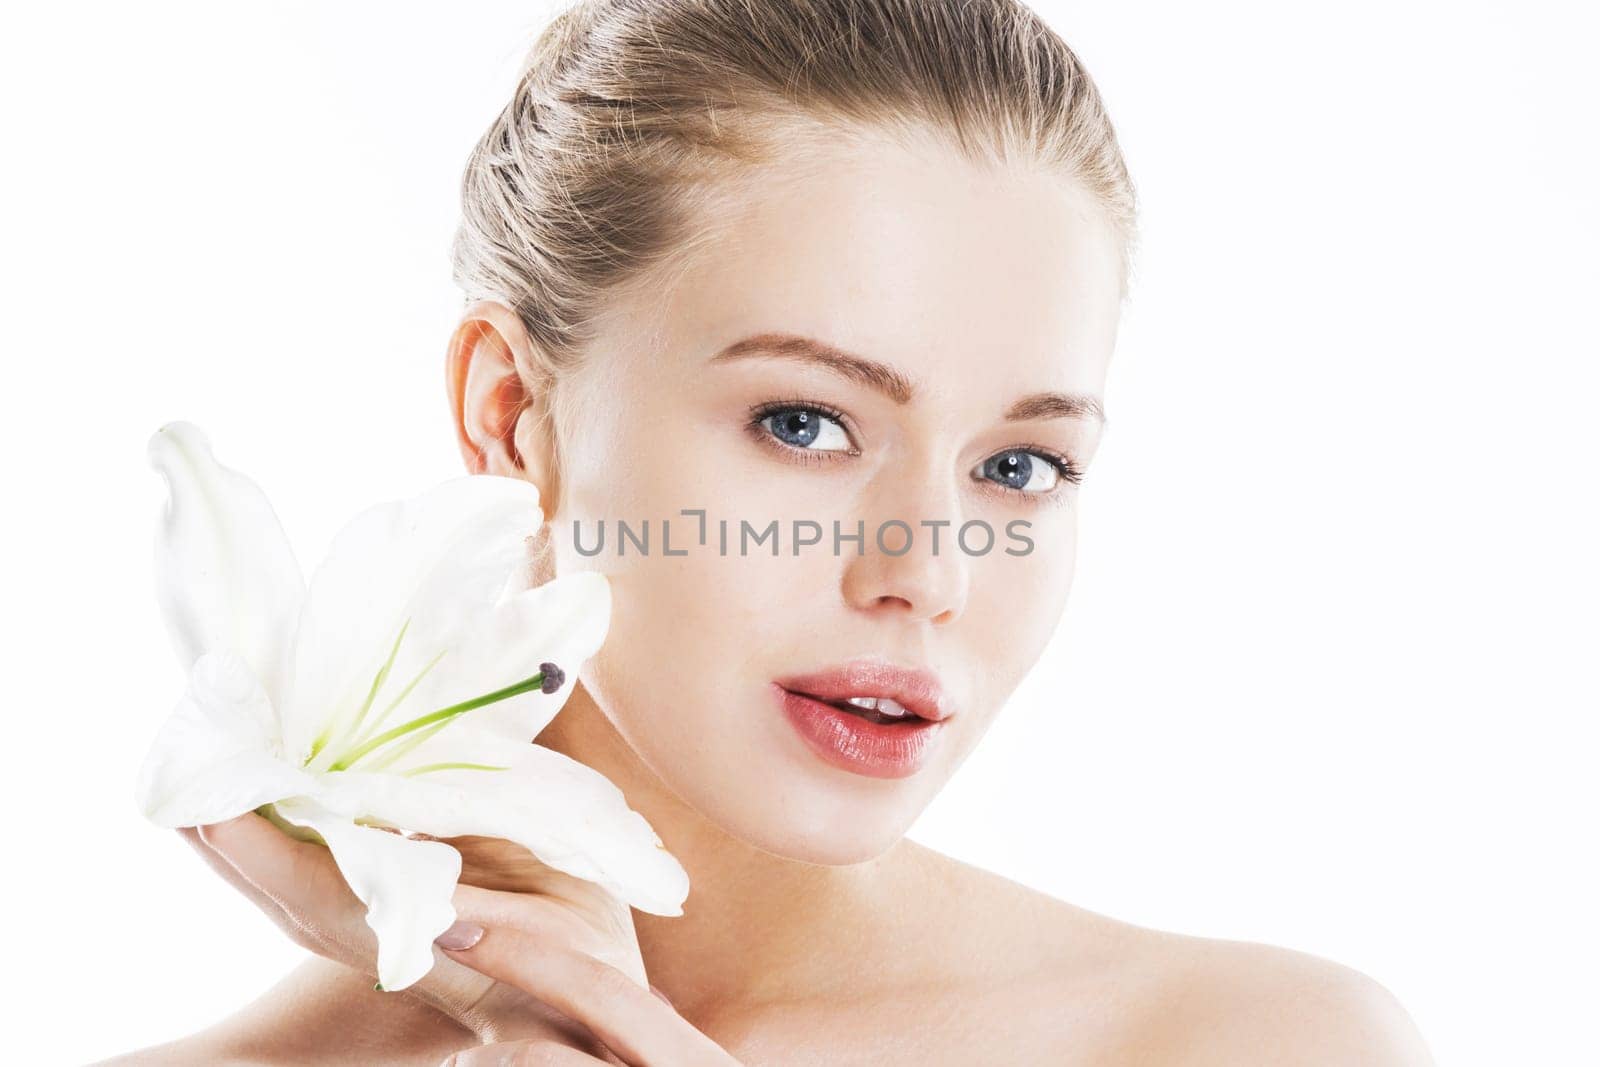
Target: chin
[783,799]
[810,812]
[729,753]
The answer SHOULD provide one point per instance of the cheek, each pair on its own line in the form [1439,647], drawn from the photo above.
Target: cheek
[691,634]
[686,624]
[725,607]
[1016,603]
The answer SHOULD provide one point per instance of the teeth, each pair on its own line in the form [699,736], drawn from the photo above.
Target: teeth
[882,705]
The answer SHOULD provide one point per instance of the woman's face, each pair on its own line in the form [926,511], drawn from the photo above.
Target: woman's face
[973,291]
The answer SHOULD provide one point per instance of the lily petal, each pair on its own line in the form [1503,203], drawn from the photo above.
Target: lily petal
[226,575]
[217,755]
[400,582]
[562,621]
[406,885]
[570,816]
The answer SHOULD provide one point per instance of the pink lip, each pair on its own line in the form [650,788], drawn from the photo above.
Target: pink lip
[877,750]
[917,690]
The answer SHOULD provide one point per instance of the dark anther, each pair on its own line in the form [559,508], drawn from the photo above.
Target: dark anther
[553,677]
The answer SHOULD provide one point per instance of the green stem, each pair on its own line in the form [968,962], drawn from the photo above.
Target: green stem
[388,756]
[425,768]
[442,715]
[377,683]
[396,701]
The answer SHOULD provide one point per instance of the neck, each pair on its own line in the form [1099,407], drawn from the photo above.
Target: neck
[755,926]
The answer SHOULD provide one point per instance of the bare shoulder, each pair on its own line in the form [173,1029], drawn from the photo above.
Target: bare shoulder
[1098,990]
[1224,1002]
[319,1013]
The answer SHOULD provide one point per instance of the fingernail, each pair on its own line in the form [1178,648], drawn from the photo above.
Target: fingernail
[460,935]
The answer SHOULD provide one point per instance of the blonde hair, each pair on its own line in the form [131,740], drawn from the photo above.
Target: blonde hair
[631,116]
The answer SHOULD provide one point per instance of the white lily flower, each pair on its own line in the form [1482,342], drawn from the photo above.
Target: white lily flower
[401,688]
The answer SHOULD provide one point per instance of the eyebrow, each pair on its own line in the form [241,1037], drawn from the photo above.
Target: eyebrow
[891,383]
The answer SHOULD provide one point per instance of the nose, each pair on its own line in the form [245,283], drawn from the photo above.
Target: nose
[917,572]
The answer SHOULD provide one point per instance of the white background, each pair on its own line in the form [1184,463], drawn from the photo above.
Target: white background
[1328,676]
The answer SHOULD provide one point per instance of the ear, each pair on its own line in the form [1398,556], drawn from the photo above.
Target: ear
[500,427]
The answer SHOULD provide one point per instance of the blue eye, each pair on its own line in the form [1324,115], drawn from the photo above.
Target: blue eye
[1028,471]
[811,432]
[808,428]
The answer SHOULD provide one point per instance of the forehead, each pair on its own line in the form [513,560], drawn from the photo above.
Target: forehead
[907,253]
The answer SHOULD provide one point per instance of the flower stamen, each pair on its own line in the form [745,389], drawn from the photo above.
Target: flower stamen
[372,692]
[426,768]
[379,721]
[400,748]
[548,680]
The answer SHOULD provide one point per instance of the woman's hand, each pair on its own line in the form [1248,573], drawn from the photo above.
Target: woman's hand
[632,1022]
[564,954]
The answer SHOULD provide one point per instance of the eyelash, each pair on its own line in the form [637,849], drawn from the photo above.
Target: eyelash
[1068,471]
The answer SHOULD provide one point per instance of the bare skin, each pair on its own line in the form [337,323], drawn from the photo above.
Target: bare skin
[1016,977]
[815,932]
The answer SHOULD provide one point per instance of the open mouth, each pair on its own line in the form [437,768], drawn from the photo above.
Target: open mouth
[862,732]
[873,709]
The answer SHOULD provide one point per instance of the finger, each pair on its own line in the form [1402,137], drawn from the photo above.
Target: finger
[302,882]
[523,1054]
[299,884]
[633,1022]
[232,868]
[608,935]
[227,871]
[279,865]
[301,933]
